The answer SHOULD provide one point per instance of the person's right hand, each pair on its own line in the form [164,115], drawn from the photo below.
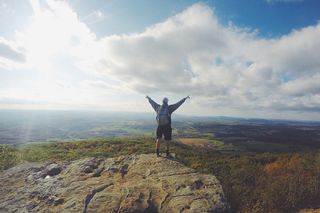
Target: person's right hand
[147,97]
[188,97]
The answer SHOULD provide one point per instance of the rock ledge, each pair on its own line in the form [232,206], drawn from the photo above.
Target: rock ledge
[133,183]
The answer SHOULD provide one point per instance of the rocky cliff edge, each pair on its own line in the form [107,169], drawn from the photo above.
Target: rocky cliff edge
[133,183]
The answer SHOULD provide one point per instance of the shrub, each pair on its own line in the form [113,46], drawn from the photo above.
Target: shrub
[8,156]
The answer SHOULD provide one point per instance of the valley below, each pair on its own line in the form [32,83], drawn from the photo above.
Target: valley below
[262,165]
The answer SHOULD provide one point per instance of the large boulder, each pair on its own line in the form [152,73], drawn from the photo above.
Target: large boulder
[133,183]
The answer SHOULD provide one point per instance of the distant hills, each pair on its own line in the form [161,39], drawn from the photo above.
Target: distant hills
[22,126]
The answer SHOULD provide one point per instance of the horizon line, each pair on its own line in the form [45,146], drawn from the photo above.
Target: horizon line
[178,114]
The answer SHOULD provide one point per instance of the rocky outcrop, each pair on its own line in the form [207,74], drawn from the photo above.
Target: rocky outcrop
[133,183]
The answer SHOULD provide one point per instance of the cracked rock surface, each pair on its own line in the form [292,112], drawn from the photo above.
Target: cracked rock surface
[132,183]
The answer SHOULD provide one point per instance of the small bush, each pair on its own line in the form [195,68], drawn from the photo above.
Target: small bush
[8,156]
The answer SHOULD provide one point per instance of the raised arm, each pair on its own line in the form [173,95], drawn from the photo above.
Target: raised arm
[154,105]
[175,106]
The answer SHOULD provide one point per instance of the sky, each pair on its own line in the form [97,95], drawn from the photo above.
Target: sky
[246,58]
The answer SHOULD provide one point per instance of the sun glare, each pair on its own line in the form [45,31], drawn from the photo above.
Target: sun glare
[53,31]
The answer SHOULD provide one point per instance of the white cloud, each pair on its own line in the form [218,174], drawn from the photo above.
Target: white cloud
[225,69]
[94,17]
[58,46]
[54,32]
[303,86]
[10,54]
[191,53]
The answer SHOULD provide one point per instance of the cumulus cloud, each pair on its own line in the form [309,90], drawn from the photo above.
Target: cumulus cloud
[173,56]
[302,86]
[222,67]
[10,53]
[192,53]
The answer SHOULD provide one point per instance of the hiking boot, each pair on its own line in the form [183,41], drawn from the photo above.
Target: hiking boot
[169,156]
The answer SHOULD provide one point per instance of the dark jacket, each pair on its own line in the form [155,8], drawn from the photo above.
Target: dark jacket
[171,107]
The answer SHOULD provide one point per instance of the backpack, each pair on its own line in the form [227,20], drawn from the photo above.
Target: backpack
[163,116]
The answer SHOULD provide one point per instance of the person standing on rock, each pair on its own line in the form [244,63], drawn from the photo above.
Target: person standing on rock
[164,112]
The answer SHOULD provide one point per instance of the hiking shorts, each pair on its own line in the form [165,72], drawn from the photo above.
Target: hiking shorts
[165,130]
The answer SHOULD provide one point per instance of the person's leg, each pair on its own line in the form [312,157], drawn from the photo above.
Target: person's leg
[159,136]
[168,147]
[168,137]
[158,146]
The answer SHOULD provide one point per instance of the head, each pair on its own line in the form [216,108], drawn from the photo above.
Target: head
[165,100]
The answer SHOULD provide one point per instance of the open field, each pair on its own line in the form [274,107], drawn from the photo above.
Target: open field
[201,142]
[206,143]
